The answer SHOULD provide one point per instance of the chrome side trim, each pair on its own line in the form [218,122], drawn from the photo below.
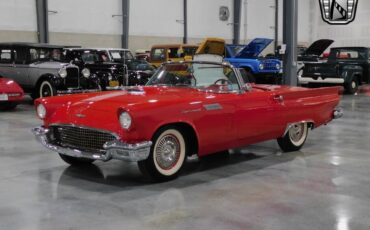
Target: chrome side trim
[114,149]
[338,113]
[290,125]
[73,91]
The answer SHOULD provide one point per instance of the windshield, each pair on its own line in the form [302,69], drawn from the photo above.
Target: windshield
[347,54]
[87,56]
[45,54]
[213,77]
[120,55]
[139,65]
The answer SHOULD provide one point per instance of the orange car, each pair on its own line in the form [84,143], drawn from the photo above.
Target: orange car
[171,52]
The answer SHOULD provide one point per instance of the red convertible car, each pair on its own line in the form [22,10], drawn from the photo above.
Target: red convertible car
[10,93]
[186,108]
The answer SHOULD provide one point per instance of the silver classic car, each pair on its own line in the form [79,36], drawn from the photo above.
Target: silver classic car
[42,70]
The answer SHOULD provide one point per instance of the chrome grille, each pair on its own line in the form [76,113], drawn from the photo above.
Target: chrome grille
[72,80]
[81,138]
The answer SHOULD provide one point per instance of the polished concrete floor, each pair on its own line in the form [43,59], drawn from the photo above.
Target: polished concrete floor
[326,185]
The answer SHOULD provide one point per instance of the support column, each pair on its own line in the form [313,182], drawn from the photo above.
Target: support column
[125,22]
[290,31]
[185,39]
[42,21]
[236,21]
[276,43]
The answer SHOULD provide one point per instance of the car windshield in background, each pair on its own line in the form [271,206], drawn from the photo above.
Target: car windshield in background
[139,65]
[45,54]
[190,51]
[347,54]
[120,55]
[214,77]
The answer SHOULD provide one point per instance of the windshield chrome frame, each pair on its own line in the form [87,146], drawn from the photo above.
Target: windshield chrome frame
[237,73]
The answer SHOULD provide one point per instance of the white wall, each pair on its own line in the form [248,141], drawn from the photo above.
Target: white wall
[18,15]
[156,18]
[356,33]
[85,16]
[203,19]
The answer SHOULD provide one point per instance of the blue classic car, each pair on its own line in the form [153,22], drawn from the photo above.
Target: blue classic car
[263,70]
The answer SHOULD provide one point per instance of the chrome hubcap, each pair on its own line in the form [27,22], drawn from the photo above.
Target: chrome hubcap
[296,132]
[167,152]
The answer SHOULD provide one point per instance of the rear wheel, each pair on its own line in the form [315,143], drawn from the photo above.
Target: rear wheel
[352,86]
[295,138]
[167,155]
[75,161]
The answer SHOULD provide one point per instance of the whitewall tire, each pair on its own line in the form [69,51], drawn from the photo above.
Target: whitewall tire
[46,89]
[167,156]
[295,138]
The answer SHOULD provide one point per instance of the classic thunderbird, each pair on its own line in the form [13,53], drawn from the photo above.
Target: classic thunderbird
[186,108]
[10,93]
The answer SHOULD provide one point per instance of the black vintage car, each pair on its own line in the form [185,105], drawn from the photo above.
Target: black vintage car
[347,66]
[113,67]
[42,70]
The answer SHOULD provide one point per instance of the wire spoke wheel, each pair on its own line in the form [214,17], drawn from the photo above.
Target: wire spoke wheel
[167,155]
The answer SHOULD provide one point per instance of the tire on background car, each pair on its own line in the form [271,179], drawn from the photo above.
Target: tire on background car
[46,89]
[75,161]
[295,138]
[167,155]
[8,105]
[352,86]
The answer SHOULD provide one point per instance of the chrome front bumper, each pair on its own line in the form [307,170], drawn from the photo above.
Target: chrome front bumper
[113,149]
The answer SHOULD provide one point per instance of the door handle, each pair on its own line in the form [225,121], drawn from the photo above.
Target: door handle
[279,98]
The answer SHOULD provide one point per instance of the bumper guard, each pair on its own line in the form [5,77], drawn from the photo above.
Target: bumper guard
[113,149]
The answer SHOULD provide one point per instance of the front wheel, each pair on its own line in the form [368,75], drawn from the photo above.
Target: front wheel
[46,89]
[167,155]
[75,161]
[295,138]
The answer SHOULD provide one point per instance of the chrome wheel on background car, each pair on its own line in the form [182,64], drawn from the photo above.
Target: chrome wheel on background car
[167,155]
[46,89]
[294,139]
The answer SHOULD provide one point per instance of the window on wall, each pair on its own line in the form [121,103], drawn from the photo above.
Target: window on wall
[158,54]
[5,56]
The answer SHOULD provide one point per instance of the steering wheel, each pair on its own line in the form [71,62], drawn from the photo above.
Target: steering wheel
[223,81]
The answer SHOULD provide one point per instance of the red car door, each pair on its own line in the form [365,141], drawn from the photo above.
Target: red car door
[257,117]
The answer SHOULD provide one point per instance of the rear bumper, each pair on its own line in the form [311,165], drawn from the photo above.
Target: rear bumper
[305,80]
[113,149]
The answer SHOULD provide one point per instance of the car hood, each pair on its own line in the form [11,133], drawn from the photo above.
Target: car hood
[131,98]
[318,47]
[254,48]
[212,46]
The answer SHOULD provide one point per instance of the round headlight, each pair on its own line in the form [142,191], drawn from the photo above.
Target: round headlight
[125,120]
[85,72]
[261,66]
[62,73]
[277,66]
[41,111]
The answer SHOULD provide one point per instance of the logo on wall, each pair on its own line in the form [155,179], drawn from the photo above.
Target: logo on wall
[338,12]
